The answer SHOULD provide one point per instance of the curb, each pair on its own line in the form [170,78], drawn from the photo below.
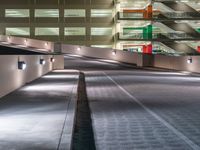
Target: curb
[69,124]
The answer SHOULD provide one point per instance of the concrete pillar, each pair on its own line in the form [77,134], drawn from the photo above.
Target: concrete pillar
[145,60]
[59,62]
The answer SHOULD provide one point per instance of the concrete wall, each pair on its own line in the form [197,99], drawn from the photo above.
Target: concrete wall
[177,63]
[12,78]
[32,22]
[141,60]
[42,45]
[122,56]
[59,62]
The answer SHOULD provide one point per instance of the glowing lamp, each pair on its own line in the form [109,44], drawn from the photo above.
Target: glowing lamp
[189,60]
[42,62]
[46,44]
[21,65]
[25,42]
[52,59]
[78,49]
[114,53]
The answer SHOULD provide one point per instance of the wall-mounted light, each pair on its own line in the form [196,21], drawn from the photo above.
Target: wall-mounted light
[8,38]
[21,65]
[114,53]
[79,48]
[189,60]
[25,42]
[52,59]
[46,43]
[42,61]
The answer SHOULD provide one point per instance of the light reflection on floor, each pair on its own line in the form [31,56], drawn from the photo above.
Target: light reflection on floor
[32,117]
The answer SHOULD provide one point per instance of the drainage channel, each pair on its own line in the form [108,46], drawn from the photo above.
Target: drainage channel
[83,137]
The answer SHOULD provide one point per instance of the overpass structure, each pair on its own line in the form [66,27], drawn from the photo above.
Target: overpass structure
[57,96]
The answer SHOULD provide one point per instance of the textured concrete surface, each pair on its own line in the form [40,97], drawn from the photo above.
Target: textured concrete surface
[141,109]
[36,116]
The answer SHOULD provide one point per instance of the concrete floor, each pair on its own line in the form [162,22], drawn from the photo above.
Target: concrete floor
[33,117]
[131,109]
[141,109]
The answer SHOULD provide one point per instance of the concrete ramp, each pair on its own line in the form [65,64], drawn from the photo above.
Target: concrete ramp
[40,115]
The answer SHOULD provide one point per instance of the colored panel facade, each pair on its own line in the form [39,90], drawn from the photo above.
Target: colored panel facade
[170,28]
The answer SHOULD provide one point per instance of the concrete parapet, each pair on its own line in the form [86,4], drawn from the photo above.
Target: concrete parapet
[13,78]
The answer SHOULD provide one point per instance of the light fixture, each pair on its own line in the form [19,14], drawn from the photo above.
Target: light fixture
[46,43]
[42,61]
[8,38]
[189,60]
[21,65]
[114,52]
[52,59]
[25,42]
[79,48]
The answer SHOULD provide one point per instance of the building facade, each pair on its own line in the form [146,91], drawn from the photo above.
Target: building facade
[145,26]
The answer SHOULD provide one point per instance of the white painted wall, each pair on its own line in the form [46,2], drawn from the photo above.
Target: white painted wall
[161,61]
[177,63]
[59,62]
[122,56]
[169,62]
[45,46]
[12,78]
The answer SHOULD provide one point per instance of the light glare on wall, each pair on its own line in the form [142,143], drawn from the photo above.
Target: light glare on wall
[78,49]
[21,65]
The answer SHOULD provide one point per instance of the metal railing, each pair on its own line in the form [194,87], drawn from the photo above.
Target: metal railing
[154,36]
[123,36]
[173,35]
[180,15]
[169,15]
[127,15]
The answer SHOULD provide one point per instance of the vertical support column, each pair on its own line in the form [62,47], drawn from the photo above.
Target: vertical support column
[147,49]
[198,49]
[147,32]
[31,23]
[61,7]
[2,13]
[149,29]
[32,18]
[149,12]
[88,7]
[2,18]
[116,10]
[59,62]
